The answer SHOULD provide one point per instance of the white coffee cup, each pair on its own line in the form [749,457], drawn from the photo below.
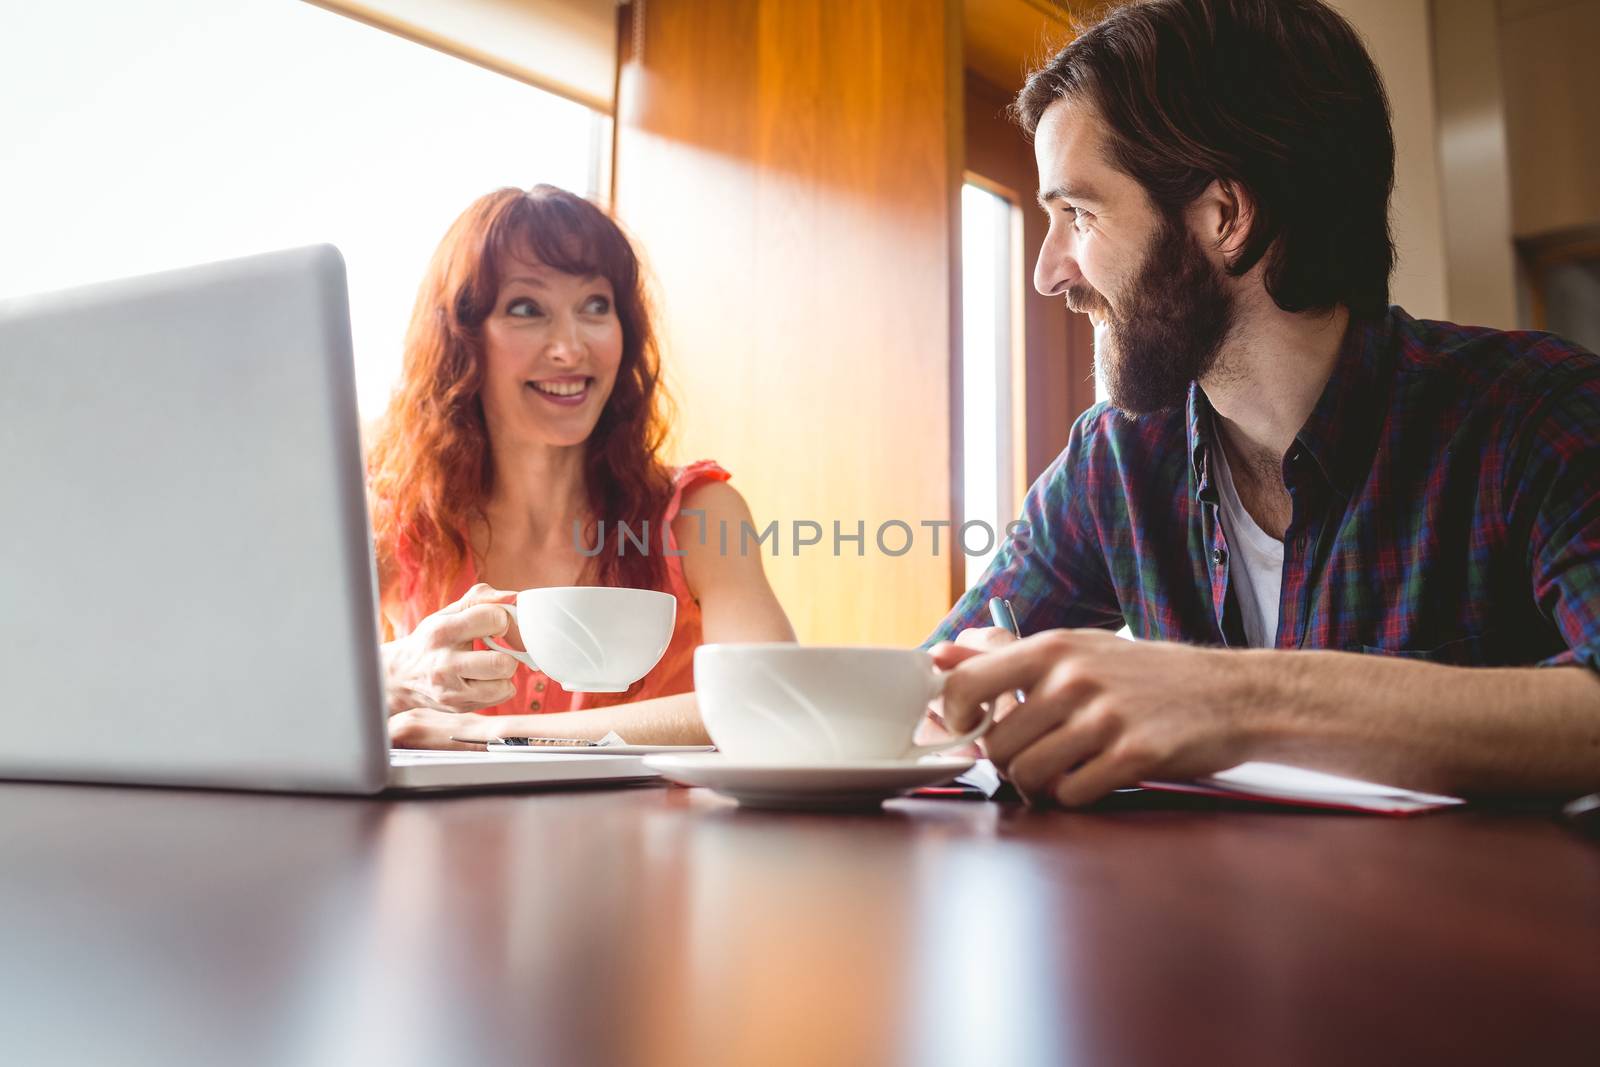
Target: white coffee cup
[788,703]
[592,639]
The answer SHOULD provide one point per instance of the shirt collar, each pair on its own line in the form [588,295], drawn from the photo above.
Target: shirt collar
[1198,412]
[1341,432]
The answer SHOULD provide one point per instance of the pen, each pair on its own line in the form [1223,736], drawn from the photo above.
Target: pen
[528,742]
[1000,611]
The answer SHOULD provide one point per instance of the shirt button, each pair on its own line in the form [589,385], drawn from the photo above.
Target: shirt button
[533,706]
[1295,456]
[539,686]
[1219,557]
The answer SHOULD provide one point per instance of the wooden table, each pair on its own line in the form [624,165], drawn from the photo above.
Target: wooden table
[654,925]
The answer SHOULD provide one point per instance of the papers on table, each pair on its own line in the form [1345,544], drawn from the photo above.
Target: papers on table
[1275,783]
[982,775]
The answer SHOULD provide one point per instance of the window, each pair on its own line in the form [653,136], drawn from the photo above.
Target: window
[140,137]
[991,376]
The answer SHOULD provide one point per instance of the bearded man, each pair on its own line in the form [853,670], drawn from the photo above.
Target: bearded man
[1346,538]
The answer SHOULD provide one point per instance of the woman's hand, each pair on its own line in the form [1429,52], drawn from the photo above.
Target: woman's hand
[426,728]
[435,666]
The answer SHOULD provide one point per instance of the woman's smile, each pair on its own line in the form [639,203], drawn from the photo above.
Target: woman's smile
[567,391]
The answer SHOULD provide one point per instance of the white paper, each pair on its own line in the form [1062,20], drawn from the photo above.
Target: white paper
[1276,781]
[1281,778]
[982,775]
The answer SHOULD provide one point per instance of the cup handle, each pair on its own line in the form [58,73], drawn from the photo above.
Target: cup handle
[954,742]
[521,657]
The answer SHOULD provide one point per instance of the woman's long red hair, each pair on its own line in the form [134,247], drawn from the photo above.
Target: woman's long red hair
[430,468]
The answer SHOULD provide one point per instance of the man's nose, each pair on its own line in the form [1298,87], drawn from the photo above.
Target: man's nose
[1057,266]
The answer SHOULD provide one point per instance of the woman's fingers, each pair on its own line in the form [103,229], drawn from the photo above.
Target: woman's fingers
[472,624]
[470,695]
[484,666]
[478,695]
[479,594]
[435,666]
[468,681]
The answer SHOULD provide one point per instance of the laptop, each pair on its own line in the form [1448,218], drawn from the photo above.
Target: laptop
[187,590]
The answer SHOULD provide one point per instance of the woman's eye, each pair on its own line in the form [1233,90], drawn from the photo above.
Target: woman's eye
[523,308]
[597,305]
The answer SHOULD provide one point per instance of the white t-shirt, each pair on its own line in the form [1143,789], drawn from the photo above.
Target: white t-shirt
[1255,560]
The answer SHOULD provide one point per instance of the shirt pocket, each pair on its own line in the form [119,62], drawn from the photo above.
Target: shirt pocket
[1478,650]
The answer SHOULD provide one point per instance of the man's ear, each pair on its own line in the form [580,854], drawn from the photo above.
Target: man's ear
[1233,216]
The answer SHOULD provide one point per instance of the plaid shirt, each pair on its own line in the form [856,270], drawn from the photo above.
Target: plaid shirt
[1446,506]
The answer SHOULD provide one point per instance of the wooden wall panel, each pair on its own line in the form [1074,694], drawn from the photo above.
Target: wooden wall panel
[1474,175]
[1547,54]
[791,170]
[1399,37]
[1006,39]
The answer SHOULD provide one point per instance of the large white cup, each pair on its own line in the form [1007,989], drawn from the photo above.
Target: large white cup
[592,639]
[787,703]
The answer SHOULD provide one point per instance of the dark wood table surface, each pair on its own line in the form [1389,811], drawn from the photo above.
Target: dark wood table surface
[655,925]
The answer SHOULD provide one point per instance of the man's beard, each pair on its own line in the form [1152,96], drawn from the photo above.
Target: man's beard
[1168,329]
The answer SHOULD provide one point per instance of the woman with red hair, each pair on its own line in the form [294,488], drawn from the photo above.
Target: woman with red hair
[529,410]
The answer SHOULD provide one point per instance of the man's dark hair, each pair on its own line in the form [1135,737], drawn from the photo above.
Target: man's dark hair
[1277,96]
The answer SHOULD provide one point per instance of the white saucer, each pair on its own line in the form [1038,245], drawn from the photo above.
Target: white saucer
[807,785]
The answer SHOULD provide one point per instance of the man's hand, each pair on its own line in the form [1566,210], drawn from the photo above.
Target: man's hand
[1101,712]
[945,655]
[435,666]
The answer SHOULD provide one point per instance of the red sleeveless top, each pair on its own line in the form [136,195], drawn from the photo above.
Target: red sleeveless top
[538,693]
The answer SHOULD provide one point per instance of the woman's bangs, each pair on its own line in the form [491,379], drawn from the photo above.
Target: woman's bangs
[559,236]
